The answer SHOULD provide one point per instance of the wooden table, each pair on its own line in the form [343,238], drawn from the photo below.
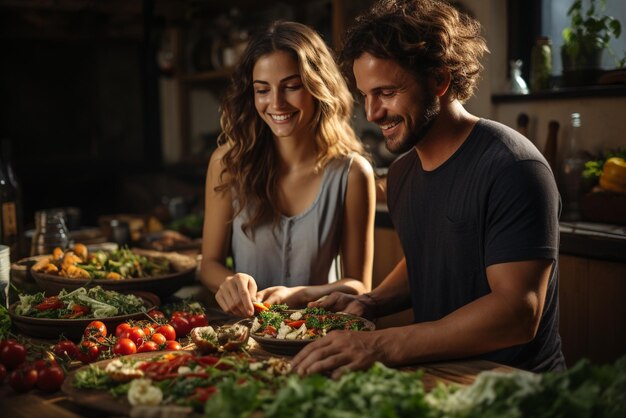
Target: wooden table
[36,404]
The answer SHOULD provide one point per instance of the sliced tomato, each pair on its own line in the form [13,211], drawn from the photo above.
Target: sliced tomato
[270,330]
[52,302]
[202,394]
[295,324]
[77,311]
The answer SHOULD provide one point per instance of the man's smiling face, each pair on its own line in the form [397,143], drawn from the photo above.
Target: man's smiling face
[401,106]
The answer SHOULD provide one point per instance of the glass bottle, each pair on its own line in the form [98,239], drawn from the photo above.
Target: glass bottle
[551,146]
[572,166]
[518,85]
[9,221]
[50,232]
[541,64]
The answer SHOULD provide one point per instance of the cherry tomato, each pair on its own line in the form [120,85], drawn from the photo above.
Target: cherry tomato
[3,343]
[168,331]
[156,314]
[136,335]
[88,352]
[124,347]
[103,347]
[23,379]
[13,354]
[173,346]
[66,348]
[181,325]
[50,378]
[158,338]
[43,363]
[198,320]
[148,330]
[96,329]
[184,314]
[148,346]
[3,373]
[121,328]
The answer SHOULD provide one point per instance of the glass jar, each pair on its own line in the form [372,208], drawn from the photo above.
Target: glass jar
[50,232]
[541,64]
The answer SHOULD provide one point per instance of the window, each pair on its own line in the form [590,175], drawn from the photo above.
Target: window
[528,19]
[554,19]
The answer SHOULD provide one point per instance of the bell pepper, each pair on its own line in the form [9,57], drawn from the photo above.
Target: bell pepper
[613,176]
[260,307]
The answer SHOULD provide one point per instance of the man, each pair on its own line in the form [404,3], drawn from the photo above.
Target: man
[474,203]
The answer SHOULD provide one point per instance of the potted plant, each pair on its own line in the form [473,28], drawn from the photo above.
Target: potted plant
[585,40]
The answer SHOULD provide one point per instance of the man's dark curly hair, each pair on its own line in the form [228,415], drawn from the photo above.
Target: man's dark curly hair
[423,36]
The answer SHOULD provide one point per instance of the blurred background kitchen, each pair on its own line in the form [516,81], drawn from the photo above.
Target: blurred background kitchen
[109,111]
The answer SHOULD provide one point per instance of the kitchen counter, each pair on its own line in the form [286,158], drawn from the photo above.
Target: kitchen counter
[582,239]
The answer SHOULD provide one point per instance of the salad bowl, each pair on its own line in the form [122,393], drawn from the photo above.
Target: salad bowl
[183,269]
[53,328]
[290,347]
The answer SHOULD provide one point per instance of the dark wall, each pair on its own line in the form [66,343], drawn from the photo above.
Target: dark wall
[74,106]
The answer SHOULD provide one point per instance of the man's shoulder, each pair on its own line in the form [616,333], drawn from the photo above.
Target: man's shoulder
[506,143]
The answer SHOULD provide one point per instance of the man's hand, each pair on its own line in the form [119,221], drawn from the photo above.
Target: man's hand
[363,305]
[339,351]
[235,295]
[290,296]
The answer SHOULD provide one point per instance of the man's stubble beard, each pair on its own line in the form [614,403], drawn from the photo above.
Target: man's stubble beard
[416,133]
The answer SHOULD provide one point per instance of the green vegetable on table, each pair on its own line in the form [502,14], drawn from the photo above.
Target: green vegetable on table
[5,322]
[593,168]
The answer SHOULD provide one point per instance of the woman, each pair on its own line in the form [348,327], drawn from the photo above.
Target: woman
[287,189]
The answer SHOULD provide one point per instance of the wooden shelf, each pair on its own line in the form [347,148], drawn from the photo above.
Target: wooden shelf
[220,76]
[562,93]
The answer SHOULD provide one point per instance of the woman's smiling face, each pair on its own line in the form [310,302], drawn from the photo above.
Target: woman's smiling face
[280,97]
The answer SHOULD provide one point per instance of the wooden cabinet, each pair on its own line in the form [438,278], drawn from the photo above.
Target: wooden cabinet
[387,253]
[592,297]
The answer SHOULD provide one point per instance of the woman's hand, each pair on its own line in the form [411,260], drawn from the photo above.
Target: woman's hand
[236,294]
[291,296]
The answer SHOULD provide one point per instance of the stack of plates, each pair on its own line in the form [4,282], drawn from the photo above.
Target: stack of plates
[5,269]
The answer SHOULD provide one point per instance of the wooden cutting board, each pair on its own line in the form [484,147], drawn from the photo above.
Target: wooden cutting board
[29,406]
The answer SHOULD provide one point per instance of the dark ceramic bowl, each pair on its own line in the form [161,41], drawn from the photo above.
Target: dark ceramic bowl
[292,347]
[73,329]
[163,286]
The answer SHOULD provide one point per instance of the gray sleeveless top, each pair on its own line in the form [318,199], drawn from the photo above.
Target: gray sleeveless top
[300,249]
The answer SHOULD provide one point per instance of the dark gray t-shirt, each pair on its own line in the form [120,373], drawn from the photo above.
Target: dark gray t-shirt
[494,201]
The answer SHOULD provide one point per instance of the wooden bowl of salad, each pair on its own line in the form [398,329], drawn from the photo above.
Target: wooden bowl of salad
[123,270]
[69,312]
[284,331]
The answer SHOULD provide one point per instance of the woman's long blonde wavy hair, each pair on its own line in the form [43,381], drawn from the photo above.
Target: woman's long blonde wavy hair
[250,162]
